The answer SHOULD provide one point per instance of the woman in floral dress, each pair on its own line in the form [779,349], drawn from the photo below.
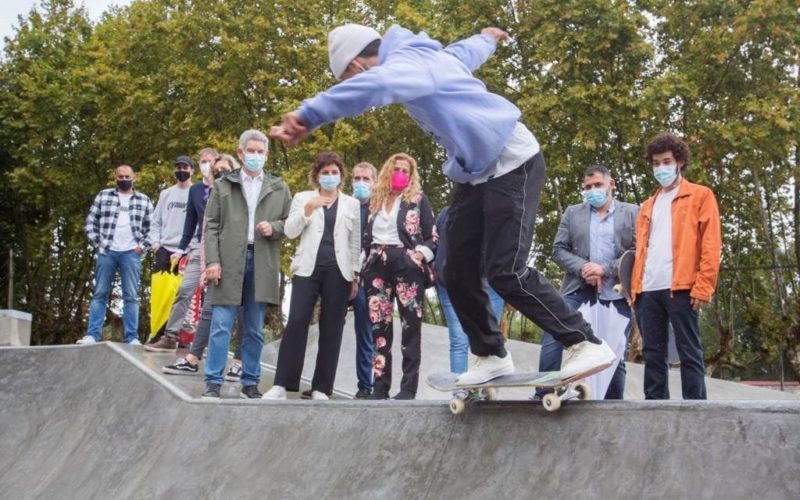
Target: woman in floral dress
[398,242]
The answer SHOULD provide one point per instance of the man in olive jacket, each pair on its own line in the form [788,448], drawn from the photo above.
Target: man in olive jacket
[245,217]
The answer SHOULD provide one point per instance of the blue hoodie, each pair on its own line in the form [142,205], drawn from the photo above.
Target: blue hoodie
[438,90]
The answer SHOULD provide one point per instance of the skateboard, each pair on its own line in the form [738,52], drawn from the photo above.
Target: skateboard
[565,389]
[624,271]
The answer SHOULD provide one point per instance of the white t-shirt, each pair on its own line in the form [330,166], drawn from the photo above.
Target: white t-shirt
[521,147]
[658,265]
[123,235]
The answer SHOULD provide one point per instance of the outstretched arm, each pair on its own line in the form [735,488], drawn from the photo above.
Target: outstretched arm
[399,80]
[475,50]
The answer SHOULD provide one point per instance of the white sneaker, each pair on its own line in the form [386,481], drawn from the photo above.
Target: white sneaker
[87,339]
[485,368]
[319,396]
[586,357]
[134,342]
[276,392]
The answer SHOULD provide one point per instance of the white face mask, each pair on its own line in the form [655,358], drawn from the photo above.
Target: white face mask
[205,168]
[666,174]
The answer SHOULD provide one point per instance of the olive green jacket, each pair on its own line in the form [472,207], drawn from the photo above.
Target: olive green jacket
[226,237]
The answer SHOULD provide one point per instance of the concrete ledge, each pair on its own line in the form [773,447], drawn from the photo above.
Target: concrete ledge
[15,328]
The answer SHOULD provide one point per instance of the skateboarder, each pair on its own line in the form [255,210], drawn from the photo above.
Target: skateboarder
[591,238]
[676,268]
[494,161]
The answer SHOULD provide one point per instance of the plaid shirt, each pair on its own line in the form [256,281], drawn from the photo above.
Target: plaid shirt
[102,219]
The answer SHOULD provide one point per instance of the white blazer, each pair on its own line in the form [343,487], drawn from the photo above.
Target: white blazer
[346,234]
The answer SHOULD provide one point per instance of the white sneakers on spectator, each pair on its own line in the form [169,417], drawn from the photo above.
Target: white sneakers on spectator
[275,393]
[586,356]
[319,396]
[486,368]
[88,339]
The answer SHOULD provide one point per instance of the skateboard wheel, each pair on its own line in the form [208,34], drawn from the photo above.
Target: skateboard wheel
[584,391]
[457,406]
[551,402]
[491,394]
[618,289]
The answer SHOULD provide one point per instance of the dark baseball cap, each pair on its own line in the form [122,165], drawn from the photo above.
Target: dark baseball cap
[185,160]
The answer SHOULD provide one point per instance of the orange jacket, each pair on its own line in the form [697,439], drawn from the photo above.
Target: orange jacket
[696,241]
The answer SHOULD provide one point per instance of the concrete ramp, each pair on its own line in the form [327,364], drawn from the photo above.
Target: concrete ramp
[93,422]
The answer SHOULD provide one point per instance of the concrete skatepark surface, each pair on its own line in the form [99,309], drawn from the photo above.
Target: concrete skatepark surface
[98,422]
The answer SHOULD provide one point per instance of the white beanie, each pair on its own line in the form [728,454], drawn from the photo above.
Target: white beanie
[345,43]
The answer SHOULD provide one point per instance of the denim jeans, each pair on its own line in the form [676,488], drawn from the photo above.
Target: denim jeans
[655,311]
[129,265]
[363,340]
[252,332]
[550,355]
[459,342]
[201,333]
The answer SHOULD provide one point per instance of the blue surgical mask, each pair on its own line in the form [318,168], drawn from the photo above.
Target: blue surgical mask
[362,190]
[665,174]
[254,162]
[595,197]
[329,182]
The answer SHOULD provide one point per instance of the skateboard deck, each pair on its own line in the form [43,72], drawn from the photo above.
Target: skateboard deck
[569,388]
[624,271]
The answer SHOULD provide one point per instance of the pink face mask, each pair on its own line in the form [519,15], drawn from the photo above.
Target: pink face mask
[399,180]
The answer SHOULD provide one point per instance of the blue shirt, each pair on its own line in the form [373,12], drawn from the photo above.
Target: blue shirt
[601,247]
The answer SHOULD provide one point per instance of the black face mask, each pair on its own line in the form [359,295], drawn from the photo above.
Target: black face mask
[124,185]
[182,175]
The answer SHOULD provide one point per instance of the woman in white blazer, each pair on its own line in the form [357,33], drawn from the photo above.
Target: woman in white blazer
[325,265]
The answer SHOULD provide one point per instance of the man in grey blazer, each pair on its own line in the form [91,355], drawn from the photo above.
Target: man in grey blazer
[591,238]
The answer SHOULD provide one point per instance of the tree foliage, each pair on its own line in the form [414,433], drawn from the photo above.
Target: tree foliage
[595,79]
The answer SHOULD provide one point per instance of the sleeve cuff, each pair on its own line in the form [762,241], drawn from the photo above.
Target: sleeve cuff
[425,251]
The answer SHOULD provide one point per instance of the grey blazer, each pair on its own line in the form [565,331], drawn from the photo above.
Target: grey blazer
[571,246]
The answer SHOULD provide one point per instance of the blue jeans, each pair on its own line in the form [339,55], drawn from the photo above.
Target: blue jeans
[459,342]
[129,265]
[550,355]
[655,311]
[252,332]
[363,340]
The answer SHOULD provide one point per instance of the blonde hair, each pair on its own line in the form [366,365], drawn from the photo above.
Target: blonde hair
[383,185]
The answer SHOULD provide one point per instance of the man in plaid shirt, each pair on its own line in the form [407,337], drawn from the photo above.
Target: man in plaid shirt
[118,226]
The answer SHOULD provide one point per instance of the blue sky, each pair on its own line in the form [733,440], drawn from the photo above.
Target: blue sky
[10,9]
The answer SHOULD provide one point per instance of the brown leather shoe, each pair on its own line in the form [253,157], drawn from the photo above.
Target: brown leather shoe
[164,344]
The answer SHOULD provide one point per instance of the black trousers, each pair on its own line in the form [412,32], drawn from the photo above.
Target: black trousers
[329,284]
[490,228]
[654,312]
[390,275]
